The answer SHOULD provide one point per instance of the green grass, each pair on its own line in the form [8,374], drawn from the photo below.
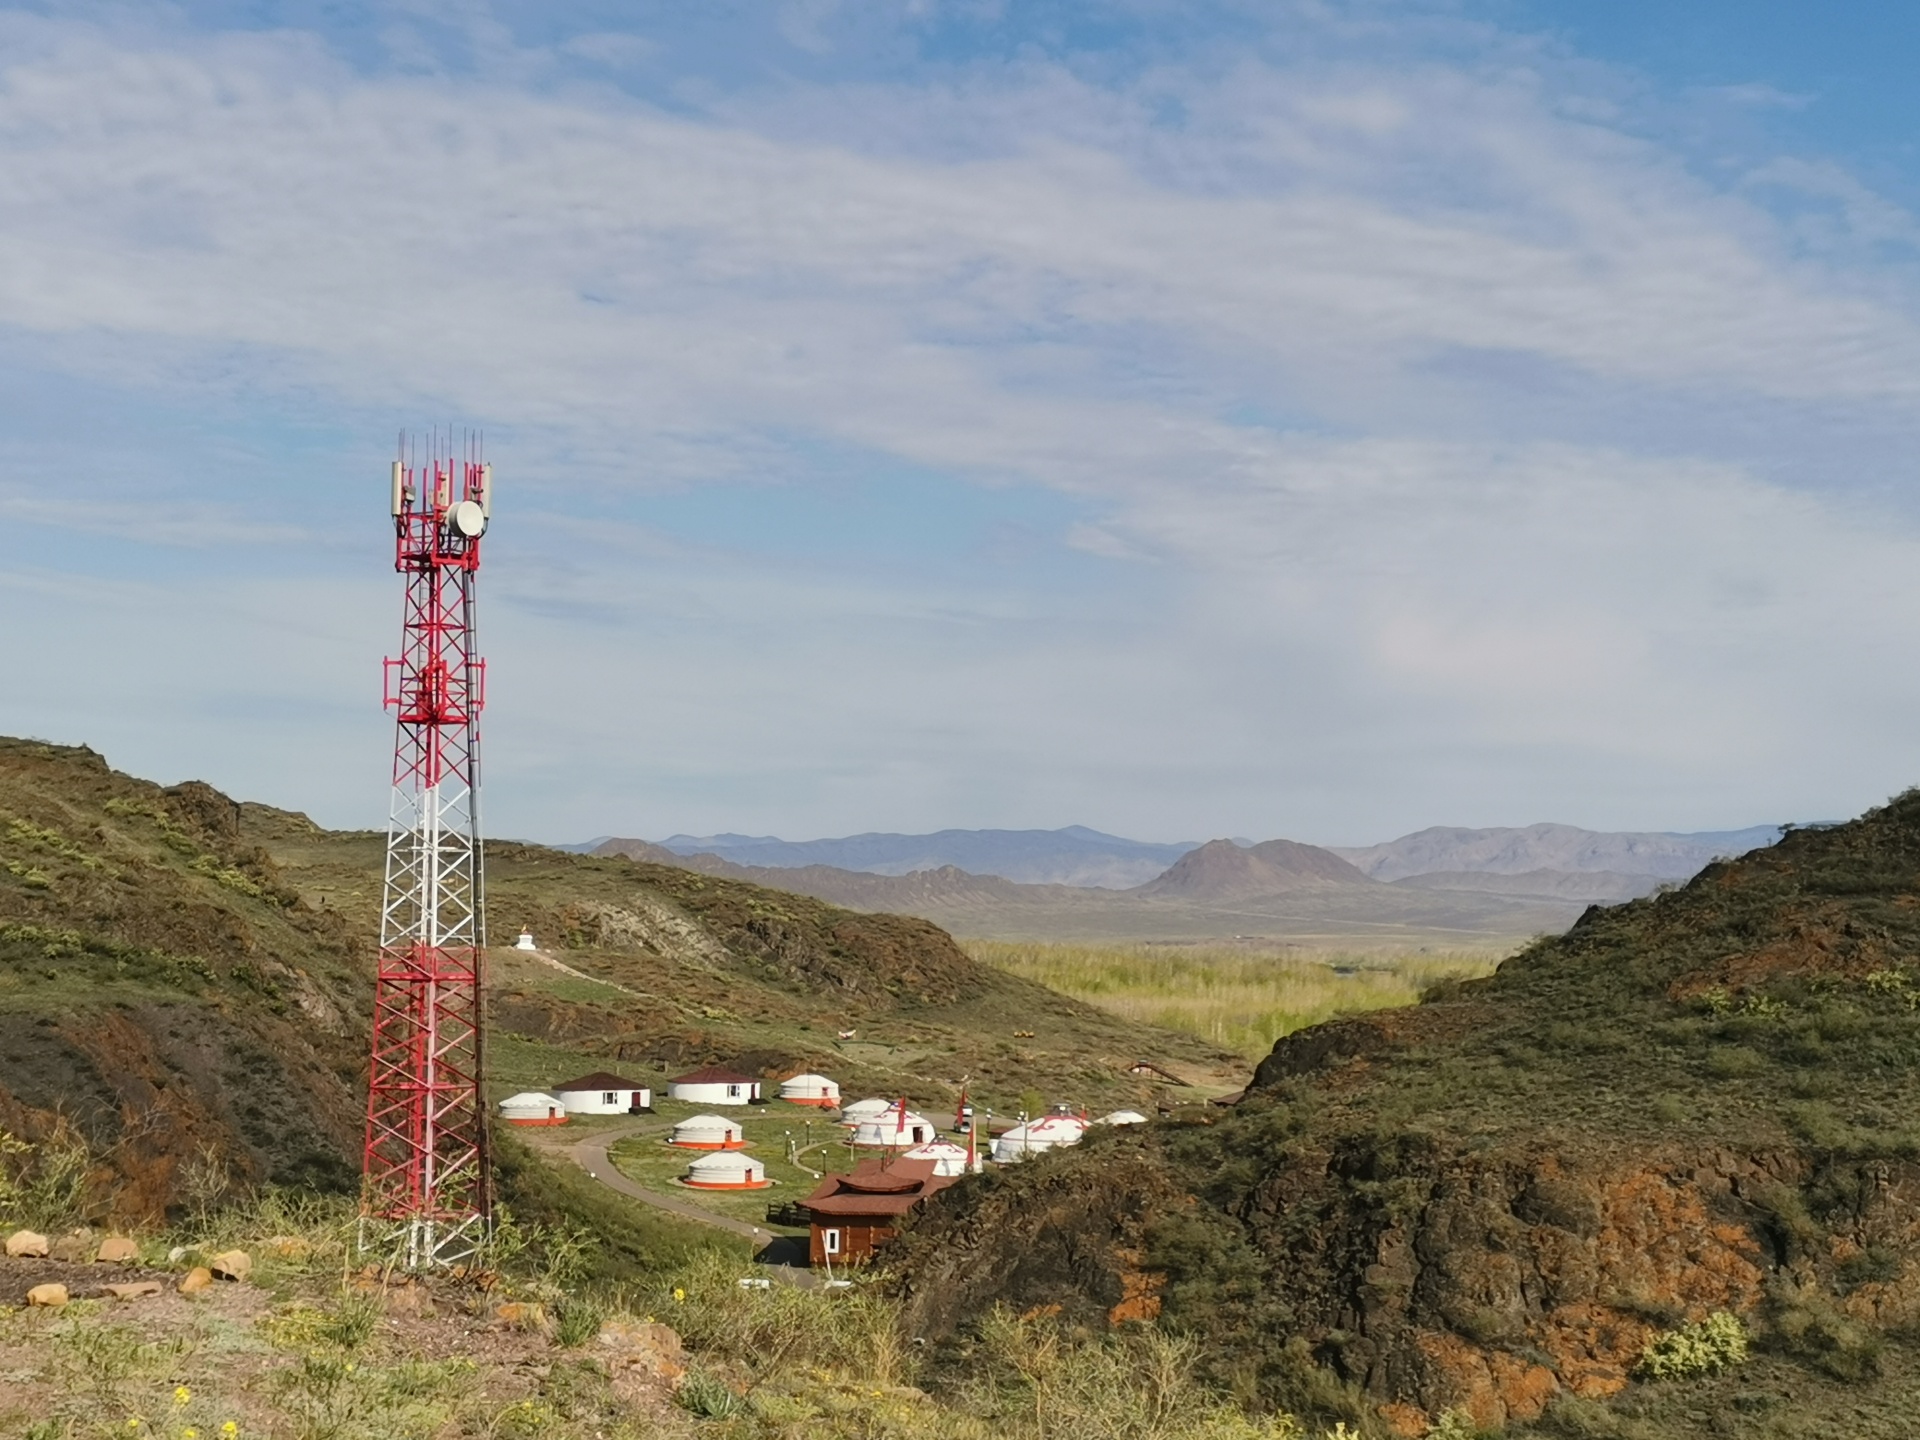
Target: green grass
[628,1241]
[648,1160]
[1239,999]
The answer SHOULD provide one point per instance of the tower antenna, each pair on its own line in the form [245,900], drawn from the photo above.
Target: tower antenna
[425,1197]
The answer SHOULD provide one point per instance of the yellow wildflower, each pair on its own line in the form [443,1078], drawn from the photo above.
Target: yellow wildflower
[182,1395]
[230,1428]
[678,1295]
[189,1434]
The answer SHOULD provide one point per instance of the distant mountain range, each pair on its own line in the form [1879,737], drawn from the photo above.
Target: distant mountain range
[1507,851]
[1073,856]
[1449,885]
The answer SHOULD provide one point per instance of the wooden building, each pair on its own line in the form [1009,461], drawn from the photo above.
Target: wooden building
[852,1215]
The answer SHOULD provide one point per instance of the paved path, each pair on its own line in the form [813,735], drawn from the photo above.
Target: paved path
[590,1154]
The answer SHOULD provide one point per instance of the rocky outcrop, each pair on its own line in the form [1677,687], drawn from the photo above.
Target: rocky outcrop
[1692,1103]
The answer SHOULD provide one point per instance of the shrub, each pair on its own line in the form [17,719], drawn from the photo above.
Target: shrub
[47,1185]
[708,1397]
[577,1322]
[1716,1343]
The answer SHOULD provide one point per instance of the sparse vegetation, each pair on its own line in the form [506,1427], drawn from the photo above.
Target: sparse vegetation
[1716,1343]
[322,1348]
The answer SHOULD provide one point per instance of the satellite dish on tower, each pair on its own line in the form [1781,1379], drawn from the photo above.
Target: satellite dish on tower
[466,518]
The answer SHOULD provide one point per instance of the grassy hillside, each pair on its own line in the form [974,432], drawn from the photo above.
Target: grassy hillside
[185,981]
[1495,1202]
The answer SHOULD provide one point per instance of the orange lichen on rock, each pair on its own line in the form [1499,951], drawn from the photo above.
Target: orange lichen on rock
[1140,1290]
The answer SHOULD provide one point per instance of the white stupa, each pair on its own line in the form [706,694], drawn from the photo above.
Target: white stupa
[525,942]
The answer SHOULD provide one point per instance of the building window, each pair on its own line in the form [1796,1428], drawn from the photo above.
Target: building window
[733,1092]
[830,1241]
[609,1097]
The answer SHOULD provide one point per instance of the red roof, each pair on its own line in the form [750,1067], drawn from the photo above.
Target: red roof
[599,1080]
[877,1187]
[714,1075]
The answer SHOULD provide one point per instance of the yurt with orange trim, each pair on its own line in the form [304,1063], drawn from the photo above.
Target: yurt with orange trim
[809,1089]
[533,1107]
[726,1171]
[707,1132]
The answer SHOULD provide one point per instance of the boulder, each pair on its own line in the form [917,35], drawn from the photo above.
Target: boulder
[54,1295]
[231,1265]
[26,1244]
[117,1250]
[408,1299]
[640,1355]
[134,1290]
[195,1280]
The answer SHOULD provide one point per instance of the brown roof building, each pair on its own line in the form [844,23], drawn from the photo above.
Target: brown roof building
[714,1085]
[852,1215]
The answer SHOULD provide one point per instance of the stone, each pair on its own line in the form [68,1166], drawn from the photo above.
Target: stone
[26,1244]
[640,1354]
[521,1314]
[54,1295]
[134,1290]
[231,1265]
[116,1250]
[408,1300]
[195,1280]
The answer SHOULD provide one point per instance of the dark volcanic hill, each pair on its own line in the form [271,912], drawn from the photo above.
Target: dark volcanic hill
[1279,888]
[1700,1101]
[1222,870]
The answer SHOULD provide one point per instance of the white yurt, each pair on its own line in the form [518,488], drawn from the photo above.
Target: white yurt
[816,1090]
[1036,1137]
[533,1107]
[851,1115]
[707,1132]
[1122,1117]
[715,1085]
[893,1129]
[602,1094]
[948,1158]
[727,1172]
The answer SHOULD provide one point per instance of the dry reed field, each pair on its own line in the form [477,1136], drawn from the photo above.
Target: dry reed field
[1240,998]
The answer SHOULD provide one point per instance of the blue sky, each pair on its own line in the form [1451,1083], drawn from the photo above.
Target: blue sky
[1304,419]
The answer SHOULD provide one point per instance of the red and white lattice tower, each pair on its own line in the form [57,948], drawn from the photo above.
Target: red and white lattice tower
[425,1198]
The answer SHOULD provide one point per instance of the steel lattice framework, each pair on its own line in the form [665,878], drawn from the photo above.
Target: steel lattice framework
[426,1194]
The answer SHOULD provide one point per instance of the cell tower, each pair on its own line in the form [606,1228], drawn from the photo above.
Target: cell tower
[425,1196]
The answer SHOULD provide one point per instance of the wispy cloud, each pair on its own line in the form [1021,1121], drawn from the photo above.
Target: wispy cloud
[1445,423]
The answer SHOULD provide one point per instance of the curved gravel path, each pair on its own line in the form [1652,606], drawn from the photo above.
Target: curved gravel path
[590,1154]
